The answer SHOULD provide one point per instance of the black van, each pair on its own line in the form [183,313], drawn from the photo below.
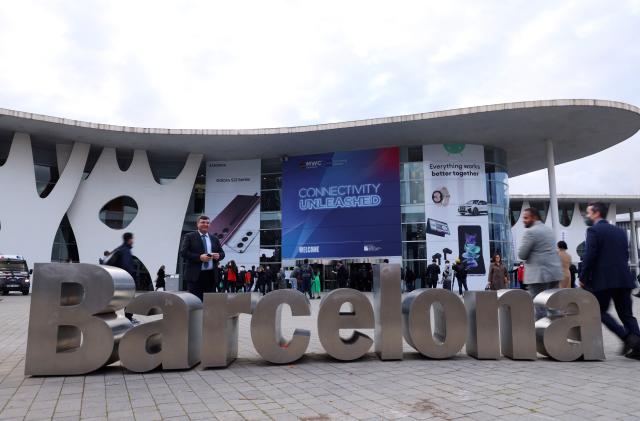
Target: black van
[14,274]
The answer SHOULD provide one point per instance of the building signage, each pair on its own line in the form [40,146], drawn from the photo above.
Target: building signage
[457,213]
[74,329]
[343,204]
[232,201]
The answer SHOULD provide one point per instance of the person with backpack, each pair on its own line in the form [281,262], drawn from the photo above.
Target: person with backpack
[447,276]
[306,273]
[433,272]
[460,272]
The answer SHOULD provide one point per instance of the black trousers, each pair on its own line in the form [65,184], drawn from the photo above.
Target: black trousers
[205,283]
[461,283]
[624,307]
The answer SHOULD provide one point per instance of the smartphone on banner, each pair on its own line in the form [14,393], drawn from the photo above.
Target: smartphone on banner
[242,239]
[227,222]
[470,248]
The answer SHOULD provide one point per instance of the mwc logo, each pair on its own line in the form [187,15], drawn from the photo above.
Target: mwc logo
[319,163]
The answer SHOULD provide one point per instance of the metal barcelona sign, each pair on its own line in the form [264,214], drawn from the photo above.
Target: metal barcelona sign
[74,329]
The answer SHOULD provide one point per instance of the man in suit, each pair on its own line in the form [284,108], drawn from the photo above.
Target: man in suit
[543,269]
[201,253]
[606,273]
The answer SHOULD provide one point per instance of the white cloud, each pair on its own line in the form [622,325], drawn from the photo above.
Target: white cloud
[203,64]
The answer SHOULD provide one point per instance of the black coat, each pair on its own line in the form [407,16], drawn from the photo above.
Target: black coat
[191,250]
[605,263]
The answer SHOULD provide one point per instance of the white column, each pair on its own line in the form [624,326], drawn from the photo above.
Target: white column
[634,243]
[553,195]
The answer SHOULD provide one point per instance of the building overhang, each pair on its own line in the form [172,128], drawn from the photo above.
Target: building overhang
[577,127]
[623,203]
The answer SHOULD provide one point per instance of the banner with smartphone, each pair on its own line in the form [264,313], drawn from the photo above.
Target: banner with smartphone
[342,204]
[456,209]
[232,201]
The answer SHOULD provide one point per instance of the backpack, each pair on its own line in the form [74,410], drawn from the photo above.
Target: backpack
[247,277]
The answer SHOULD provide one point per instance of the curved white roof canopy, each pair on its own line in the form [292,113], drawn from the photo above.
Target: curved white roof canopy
[578,128]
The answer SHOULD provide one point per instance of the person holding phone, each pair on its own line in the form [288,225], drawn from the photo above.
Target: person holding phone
[201,253]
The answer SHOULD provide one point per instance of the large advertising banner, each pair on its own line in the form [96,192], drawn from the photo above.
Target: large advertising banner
[232,201]
[456,208]
[343,204]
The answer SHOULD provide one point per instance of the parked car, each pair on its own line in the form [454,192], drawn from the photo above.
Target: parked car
[14,274]
[474,207]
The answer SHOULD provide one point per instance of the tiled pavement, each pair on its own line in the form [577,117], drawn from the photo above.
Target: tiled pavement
[318,388]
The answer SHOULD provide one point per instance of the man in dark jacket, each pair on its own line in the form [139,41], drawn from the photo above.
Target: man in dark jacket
[460,270]
[342,276]
[605,272]
[432,275]
[122,258]
[201,253]
[410,280]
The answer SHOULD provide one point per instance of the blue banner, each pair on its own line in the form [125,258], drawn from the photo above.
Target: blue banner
[343,204]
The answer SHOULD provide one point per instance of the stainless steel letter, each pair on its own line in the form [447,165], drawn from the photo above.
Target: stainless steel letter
[517,326]
[220,327]
[450,321]
[173,341]
[330,321]
[515,330]
[266,331]
[387,303]
[483,333]
[575,334]
[72,321]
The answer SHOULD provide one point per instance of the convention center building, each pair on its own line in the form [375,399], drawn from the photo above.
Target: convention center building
[403,189]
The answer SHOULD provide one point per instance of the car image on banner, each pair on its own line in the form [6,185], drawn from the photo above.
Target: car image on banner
[343,204]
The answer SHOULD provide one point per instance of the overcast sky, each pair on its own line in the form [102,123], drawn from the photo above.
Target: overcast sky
[272,63]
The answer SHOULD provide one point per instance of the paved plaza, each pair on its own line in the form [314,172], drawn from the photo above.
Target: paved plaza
[319,388]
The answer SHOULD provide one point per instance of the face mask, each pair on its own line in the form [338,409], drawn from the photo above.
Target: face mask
[588,222]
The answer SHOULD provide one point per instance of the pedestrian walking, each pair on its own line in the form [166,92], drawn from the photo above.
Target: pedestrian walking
[543,270]
[447,276]
[606,274]
[306,273]
[460,272]
[231,274]
[122,258]
[432,275]
[160,282]
[315,285]
[565,260]
[498,275]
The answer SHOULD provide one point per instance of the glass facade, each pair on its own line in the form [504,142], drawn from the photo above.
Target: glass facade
[498,200]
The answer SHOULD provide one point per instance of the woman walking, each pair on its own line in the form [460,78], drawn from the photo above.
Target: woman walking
[232,276]
[565,259]
[498,275]
[315,285]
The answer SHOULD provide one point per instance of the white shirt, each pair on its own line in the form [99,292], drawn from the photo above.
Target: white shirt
[206,265]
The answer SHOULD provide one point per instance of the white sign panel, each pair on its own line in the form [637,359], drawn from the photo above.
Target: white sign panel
[456,208]
[232,201]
